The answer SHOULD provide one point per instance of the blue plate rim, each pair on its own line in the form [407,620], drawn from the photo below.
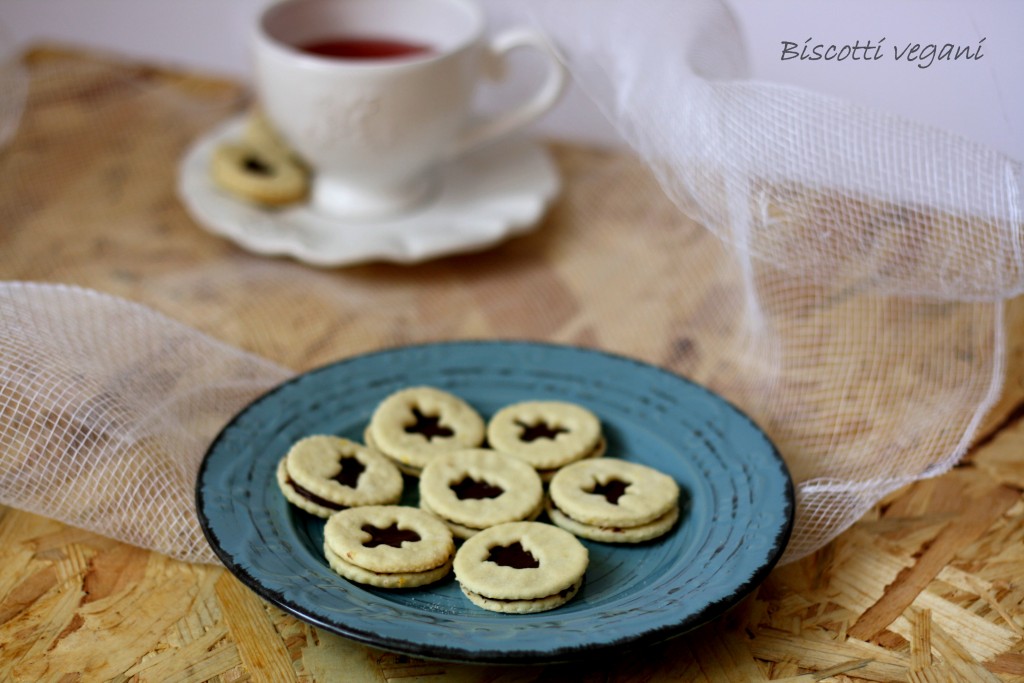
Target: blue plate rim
[450,653]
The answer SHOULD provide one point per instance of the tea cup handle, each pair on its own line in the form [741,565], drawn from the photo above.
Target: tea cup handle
[545,97]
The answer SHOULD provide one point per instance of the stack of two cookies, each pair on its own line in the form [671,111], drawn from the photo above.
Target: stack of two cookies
[388,546]
[521,567]
[414,426]
[475,489]
[546,434]
[613,501]
[323,474]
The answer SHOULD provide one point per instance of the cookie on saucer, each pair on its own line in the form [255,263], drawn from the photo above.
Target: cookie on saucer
[613,501]
[478,488]
[322,474]
[258,175]
[521,567]
[388,546]
[414,425]
[546,434]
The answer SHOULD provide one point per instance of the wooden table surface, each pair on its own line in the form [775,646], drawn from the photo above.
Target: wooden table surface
[927,587]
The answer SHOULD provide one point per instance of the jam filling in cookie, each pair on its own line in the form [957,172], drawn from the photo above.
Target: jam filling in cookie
[538,430]
[391,536]
[428,425]
[472,489]
[312,497]
[514,555]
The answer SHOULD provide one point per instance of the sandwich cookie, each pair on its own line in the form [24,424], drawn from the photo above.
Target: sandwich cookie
[613,501]
[323,474]
[414,425]
[261,176]
[521,567]
[546,434]
[388,546]
[478,488]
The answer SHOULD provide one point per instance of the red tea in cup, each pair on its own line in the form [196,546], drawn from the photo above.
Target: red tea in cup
[359,47]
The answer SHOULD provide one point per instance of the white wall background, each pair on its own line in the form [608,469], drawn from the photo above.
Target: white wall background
[983,100]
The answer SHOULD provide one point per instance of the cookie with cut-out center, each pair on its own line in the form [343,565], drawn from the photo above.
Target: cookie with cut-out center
[413,425]
[609,499]
[323,474]
[521,567]
[546,434]
[388,546]
[477,488]
[261,176]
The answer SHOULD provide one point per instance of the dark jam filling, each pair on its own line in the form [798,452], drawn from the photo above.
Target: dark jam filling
[255,165]
[428,425]
[312,497]
[565,592]
[541,430]
[472,489]
[515,556]
[351,468]
[391,536]
[611,491]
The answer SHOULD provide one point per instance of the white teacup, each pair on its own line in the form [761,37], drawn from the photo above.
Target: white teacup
[373,129]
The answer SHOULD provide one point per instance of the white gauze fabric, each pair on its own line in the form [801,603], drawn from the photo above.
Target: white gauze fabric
[106,409]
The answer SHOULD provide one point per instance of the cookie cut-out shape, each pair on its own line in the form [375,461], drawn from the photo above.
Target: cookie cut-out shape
[540,430]
[611,491]
[429,426]
[543,567]
[392,536]
[514,555]
[477,488]
[414,425]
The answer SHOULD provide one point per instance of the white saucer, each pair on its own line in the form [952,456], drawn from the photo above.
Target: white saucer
[484,197]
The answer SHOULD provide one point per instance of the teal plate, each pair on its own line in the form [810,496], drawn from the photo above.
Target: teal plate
[737,504]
